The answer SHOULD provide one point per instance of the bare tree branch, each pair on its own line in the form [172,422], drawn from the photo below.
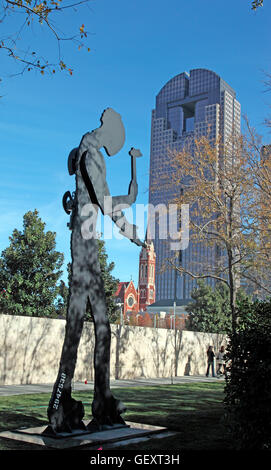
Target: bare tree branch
[43,13]
[181,270]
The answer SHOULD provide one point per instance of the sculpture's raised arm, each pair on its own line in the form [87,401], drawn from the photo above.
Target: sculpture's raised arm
[111,205]
[92,165]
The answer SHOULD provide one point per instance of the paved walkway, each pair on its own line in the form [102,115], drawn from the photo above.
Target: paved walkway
[6,390]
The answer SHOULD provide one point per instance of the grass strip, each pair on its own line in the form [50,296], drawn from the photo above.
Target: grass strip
[194,411]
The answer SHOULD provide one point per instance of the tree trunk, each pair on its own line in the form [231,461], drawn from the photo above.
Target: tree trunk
[233,292]
[231,261]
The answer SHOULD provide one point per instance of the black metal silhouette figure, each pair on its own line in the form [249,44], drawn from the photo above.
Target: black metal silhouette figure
[87,163]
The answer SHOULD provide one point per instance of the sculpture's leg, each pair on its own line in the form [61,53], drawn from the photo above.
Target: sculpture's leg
[106,409]
[64,412]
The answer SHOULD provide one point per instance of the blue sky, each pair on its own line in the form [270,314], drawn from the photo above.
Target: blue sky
[136,47]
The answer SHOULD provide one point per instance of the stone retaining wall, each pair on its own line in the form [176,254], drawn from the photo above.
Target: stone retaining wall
[30,351]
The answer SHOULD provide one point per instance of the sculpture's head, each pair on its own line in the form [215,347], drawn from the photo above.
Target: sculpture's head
[111,132]
[72,161]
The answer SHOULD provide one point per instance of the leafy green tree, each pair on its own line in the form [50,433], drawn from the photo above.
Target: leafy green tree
[62,300]
[248,382]
[63,295]
[30,268]
[210,310]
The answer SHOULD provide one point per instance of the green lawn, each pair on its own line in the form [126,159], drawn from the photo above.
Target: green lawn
[194,411]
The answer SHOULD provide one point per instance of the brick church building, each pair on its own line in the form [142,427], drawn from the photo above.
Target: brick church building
[132,300]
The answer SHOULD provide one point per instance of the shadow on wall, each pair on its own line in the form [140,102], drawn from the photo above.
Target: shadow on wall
[161,352]
[187,369]
[194,348]
[136,357]
[28,349]
[144,352]
[121,336]
[84,369]
[31,347]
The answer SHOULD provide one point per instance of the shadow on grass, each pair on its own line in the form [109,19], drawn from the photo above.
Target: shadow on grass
[194,411]
[12,420]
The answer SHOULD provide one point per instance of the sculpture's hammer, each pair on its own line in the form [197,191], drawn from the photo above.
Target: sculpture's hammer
[134,153]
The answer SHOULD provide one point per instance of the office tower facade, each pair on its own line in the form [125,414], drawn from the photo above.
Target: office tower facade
[190,105]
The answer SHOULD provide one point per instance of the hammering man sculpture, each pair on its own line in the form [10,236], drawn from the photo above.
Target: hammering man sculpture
[87,163]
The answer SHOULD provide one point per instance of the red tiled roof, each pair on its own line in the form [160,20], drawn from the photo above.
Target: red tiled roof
[120,286]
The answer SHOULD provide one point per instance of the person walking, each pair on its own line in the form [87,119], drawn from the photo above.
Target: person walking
[210,361]
[221,361]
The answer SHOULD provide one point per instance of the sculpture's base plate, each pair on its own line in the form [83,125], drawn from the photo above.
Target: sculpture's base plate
[48,432]
[107,439]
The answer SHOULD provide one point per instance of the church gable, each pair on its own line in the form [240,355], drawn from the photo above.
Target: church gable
[120,292]
[131,298]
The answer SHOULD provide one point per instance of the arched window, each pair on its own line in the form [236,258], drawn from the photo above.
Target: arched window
[146,271]
[142,272]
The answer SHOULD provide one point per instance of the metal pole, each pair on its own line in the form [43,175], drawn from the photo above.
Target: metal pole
[175,297]
[174,305]
[174,319]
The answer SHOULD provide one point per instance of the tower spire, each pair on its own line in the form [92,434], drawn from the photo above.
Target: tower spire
[146,280]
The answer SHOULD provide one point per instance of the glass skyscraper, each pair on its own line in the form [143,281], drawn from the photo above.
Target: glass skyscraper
[189,105]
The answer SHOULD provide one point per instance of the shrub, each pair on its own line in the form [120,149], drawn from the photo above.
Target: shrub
[248,384]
